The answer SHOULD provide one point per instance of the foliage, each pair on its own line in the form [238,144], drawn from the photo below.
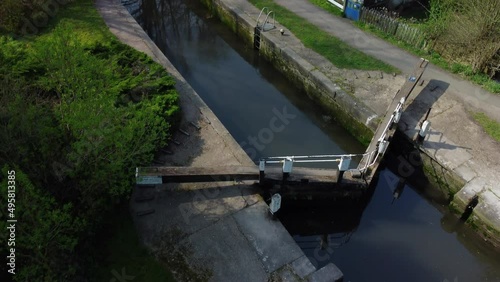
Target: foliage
[332,48]
[435,58]
[11,14]
[46,234]
[79,113]
[467,31]
[440,15]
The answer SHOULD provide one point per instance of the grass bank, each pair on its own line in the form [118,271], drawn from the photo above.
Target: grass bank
[92,109]
[336,51]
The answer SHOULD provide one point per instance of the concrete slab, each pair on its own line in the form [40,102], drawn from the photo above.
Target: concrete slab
[250,193]
[271,241]
[466,171]
[190,210]
[472,188]
[303,267]
[452,158]
[489,205]
[224,249]
[487,215]
[328,273]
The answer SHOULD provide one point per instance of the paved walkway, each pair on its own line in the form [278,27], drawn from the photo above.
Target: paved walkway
[478,98]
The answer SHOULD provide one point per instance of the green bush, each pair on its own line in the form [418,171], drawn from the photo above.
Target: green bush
[92,110]
[11,15]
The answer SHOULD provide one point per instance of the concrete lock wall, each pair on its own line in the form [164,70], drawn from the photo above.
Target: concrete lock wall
[352,114]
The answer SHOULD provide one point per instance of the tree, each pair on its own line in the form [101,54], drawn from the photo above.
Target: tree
[467,31]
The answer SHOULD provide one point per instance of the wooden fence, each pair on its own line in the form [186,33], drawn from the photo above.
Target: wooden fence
[401,31]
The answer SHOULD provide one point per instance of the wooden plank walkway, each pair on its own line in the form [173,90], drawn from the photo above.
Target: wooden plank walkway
[274,174]
[404,92]
[181,174]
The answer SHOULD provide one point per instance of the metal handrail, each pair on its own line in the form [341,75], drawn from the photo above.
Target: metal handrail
[268,13]
[266,21]
[323,158]
[262,11]
[312,156]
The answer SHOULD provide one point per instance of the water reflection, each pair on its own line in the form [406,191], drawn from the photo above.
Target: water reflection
[245,93]
[392,240]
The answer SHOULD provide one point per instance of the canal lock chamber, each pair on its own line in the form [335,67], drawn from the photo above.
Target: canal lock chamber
[411,237]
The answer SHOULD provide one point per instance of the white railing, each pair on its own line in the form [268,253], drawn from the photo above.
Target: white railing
[343,160]
[268,13]
[337,4]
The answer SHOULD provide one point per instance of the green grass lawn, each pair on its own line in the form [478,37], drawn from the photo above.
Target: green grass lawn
[336,51]
[490,126]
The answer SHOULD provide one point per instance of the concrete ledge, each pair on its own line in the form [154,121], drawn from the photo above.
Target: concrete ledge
[273,244]
[328,273]
[303,267]
[454,175]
